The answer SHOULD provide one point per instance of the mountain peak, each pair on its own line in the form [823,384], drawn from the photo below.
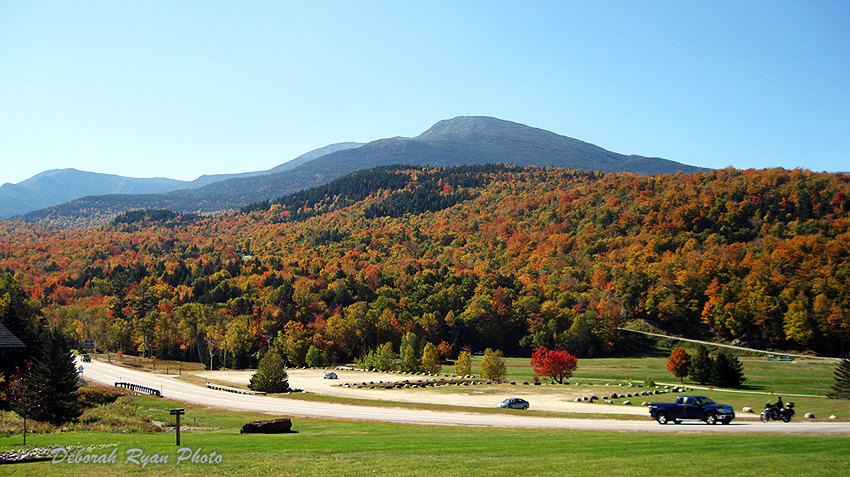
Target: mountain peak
[463,125]
[463,140]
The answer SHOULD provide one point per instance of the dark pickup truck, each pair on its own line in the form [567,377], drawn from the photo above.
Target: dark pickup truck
[698,408]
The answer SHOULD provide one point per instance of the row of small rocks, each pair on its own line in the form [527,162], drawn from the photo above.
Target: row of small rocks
[609,399]
[455,377]
[32,454]
[407,373]
[420,383]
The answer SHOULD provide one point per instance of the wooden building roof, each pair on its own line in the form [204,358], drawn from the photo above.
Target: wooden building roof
[8,340]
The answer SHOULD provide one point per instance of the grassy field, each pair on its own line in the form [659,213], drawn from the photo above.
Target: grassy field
[804,381]
[802,376]
[321,447]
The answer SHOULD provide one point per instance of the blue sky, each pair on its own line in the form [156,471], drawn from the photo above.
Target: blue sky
[180,89]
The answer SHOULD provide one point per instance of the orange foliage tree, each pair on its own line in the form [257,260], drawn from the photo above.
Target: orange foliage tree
[678,363]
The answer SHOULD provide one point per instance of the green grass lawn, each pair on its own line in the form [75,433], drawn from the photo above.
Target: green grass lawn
[766,380]
[802,376]
[323,447]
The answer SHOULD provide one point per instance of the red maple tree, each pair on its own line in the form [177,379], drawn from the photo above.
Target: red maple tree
[556,364]
[678,363]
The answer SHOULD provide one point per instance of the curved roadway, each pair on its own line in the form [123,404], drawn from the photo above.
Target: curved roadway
[175,389]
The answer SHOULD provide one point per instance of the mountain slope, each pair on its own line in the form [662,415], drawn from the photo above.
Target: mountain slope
[288,165]
[315,154]
[62,185]
[466,140]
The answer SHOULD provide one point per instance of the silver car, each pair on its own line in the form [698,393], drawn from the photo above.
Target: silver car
[514,403]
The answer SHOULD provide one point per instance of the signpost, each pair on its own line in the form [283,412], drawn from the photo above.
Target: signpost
[178,413]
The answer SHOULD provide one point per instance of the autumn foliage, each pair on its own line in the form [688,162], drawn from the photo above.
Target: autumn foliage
[492,365]
[477,257]
[555,364]
[679,363]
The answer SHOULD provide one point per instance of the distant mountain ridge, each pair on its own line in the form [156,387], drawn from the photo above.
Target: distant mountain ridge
[58,186]
[62,185]
[465,140]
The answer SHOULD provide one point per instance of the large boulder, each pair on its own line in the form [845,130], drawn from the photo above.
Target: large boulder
[273,426]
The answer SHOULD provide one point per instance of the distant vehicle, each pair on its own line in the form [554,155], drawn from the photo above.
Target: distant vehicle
[86,358]
[786,358]
[330,375]
[698,408]
[514,403]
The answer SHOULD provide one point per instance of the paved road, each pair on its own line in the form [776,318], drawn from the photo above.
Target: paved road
[174,389]
[709,343]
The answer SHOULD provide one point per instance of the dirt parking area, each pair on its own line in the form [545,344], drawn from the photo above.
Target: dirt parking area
[558,397]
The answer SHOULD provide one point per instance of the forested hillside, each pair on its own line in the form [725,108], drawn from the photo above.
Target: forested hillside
[483,256]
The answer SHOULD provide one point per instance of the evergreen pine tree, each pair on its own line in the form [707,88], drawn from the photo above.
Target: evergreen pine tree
[23,318]
[841,387]
[727,371]
[736,377]
[700,367]
[271,376]
[56,375]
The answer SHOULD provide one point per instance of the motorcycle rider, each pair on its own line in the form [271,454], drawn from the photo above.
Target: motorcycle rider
[777,408]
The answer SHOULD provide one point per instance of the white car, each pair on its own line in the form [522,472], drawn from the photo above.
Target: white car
[330,375]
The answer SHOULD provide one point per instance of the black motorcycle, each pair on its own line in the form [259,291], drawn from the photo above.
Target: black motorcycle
[771,411]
